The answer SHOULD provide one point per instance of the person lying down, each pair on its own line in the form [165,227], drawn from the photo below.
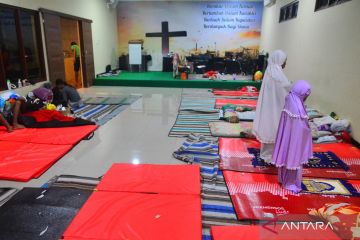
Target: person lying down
[9,111]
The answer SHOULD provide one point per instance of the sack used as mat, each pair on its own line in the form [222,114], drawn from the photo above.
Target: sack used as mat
[37,213]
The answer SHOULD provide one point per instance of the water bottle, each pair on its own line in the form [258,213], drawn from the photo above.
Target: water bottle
[19,83]
[8,83]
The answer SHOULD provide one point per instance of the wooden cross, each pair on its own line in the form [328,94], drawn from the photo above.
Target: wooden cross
[165,35]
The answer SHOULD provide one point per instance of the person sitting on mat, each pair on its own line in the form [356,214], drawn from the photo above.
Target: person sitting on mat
[69,93]
[58,96]
[273,91]
[293,146]
[9,112]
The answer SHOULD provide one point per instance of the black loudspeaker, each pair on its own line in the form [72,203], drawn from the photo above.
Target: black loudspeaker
[123,65]
[261,62]
[108,68]
[167,64]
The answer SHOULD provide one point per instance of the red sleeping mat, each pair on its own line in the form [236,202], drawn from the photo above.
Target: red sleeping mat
[150,178]
[24,161]
[56,136]
[241,102]
[271,232]
[255,196]
[235,93]
[29,152]
[136,216]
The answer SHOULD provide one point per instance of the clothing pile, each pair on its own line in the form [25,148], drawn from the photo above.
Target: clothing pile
[328,128]
[36,110]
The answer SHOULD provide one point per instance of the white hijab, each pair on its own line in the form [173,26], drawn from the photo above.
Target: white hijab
[275,87]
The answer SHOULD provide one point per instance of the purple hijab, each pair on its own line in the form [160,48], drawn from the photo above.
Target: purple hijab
[43,94]
[293,146]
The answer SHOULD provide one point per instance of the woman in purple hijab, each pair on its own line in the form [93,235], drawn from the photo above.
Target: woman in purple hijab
[44,94]
[293,146]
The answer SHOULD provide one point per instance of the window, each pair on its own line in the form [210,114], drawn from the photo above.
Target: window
[322,4]
[289,11]
[21,55]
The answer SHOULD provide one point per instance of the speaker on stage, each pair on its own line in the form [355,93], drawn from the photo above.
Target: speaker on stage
[261,62]
[123,62]
[167,64]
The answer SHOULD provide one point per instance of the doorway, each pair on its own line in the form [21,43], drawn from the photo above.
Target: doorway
[60,30]
[69,36]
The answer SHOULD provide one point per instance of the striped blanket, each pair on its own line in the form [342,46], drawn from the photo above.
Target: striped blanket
[100,114]
[205,105]
[104,100]
[188,122]
[217,208]
[103,109]
[116,100]
[194,116]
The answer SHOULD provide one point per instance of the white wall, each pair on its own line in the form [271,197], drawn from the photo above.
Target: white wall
[324,48]
[104,26]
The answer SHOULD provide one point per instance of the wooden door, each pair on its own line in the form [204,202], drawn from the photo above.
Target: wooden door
[55,55]
[87,53]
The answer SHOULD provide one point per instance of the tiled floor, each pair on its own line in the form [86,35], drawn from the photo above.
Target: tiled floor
[139,134]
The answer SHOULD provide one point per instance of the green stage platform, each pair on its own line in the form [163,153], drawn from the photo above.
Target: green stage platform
[165,79]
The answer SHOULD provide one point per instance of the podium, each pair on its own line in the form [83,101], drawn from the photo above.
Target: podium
[136,59]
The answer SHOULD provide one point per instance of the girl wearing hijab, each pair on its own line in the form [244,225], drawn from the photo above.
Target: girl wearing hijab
[293,145]
[274,89]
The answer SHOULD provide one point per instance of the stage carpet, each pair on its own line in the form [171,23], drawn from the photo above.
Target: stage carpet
[165,79]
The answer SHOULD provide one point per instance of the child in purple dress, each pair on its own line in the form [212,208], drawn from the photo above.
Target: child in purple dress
[293,146]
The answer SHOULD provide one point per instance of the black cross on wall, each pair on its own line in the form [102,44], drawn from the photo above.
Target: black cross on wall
[165,35]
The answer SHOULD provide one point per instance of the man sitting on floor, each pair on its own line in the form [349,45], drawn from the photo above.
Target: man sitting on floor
[70,94]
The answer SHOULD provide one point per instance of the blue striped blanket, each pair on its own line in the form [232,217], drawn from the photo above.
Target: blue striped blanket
[217,208]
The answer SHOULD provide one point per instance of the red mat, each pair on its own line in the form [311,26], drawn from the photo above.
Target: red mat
[232,146]
[271,232]
[241,102]
[28,153]
[346,152]
[57,136]
[256,196]
[235,93]
[150,178]
[135,216]
[24,161]
[233,151]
